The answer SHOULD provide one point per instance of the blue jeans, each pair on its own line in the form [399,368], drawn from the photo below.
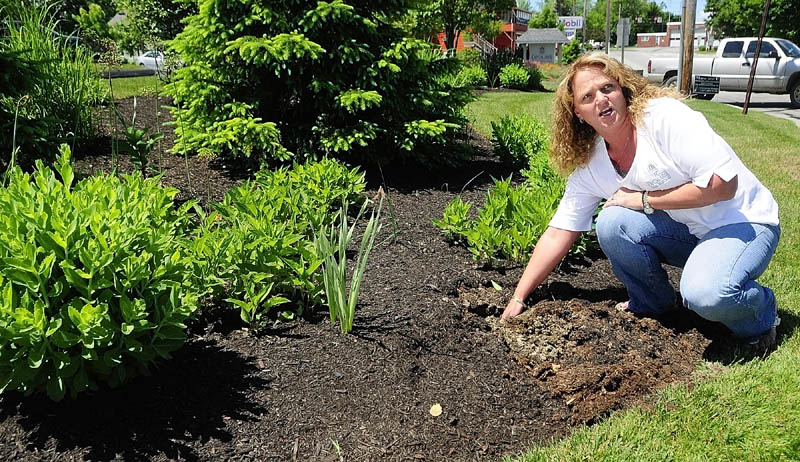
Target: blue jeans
[719,270]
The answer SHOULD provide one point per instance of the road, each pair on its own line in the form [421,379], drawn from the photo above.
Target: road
[774,105]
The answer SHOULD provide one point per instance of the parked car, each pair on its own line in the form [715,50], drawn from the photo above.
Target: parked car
[778,67]
[153,60]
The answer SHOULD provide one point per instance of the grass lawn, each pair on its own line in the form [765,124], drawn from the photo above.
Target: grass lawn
[740,411]
[135,86]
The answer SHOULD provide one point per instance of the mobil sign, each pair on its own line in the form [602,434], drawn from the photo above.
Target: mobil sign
[571,22]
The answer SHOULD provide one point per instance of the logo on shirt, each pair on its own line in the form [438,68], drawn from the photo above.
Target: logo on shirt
[657,177]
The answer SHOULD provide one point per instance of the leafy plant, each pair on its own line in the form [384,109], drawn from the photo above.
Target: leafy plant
[495,61]
[513,216]
[514,76]
[333,247]
[521,141]
[473,76]
[535,76]
[94,282]
[572,50]
[138,142]
[257,246]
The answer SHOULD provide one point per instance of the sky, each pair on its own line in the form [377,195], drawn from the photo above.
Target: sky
[674,6]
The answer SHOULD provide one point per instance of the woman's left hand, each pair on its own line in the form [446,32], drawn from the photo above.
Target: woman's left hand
[627,198]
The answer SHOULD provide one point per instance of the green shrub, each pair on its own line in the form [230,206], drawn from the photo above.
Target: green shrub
[513,217]
[60,81]
[473,76]
[517,140]
[535,77]
[272,80]
[514,76]
[469,57]
[495,61]
[257,247]
[95,280]
[572,50]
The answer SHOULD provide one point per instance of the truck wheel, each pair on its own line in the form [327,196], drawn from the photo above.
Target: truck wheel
[794,94]
[671,82]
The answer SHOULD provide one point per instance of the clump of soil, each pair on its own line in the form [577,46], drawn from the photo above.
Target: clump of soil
[596,358]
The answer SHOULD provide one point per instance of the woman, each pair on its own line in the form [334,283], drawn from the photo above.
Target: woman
[675,193]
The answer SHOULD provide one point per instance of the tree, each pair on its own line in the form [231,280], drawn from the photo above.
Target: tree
[742,18]
[546,19]
[454,16]
[148,23]
[272,80]
[647,11]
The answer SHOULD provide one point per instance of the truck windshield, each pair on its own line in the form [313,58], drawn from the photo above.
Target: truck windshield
[791,50]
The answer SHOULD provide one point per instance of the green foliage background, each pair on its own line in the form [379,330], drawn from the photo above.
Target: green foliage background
[742,18]
[57,80]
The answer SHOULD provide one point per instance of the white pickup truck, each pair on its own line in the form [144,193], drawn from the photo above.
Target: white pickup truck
[778,67]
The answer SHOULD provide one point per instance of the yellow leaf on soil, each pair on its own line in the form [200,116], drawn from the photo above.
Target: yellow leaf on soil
[436,410]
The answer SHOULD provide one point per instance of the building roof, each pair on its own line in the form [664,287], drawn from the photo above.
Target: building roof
[543,36]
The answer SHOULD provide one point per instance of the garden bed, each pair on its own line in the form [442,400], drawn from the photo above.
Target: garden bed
[426,333]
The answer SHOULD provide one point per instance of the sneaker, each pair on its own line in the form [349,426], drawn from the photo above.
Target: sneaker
[767,342]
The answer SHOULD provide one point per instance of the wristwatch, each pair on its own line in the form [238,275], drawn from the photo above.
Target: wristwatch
[646,203]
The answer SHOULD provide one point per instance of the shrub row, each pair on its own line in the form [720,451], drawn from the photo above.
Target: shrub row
[99,278]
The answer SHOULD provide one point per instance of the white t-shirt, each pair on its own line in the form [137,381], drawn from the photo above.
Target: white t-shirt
[675,146]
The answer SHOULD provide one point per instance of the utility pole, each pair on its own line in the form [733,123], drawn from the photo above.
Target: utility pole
[584,21]
[608,25]
[755,58]
[621,39]
[687,39]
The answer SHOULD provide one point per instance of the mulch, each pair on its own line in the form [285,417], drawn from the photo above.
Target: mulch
[426,336]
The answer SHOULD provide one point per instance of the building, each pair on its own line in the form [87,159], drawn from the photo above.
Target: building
[672,37]
[515,23]
[542,45]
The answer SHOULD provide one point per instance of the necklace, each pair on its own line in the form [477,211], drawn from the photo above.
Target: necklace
[620,171]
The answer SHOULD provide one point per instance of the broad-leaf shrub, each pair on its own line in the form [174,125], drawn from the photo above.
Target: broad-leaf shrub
[473,76]
[519,140]
[572,50]
[514,76]
[535,76]
[94,280]
[58,78]
[275,80]
[257,247]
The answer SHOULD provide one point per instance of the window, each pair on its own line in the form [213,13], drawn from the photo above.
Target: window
[732,49]
[766,49]
[789,48]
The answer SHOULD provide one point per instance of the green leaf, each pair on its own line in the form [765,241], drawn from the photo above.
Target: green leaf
[55,388]
[36,355]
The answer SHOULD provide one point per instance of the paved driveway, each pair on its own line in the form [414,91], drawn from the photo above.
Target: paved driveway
[774,105]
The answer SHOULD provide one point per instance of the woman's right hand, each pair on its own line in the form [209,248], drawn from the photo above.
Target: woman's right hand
[513,308]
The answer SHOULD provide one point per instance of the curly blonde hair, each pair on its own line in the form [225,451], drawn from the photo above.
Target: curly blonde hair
[572,140]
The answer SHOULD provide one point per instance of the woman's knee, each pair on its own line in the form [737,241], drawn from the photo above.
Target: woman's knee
[609,225]
[711,299]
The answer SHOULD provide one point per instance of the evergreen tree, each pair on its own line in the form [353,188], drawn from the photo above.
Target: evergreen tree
[273,80]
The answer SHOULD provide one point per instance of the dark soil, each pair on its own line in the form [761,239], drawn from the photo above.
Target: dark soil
[426,335]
